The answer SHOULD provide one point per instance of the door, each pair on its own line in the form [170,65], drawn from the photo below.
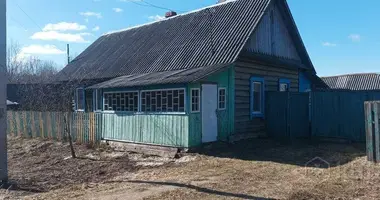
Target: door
[209,107]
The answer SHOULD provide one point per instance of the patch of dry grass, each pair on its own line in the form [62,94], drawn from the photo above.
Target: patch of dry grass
[254,169]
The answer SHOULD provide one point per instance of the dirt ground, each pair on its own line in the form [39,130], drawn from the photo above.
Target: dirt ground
[255,169]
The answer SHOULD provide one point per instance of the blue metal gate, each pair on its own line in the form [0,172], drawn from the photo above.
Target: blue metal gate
[287,115]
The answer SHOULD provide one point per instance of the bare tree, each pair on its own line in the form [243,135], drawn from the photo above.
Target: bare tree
[14,64]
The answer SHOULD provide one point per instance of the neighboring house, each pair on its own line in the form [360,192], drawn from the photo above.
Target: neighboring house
[193,78]
[363,81]
[12,105]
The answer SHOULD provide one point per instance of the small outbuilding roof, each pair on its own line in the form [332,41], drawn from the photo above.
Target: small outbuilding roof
[362,81]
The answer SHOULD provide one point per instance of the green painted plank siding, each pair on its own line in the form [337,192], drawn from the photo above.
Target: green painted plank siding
[157,129]
[224,79]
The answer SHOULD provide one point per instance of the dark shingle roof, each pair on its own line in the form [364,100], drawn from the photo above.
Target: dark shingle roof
[206,37]
[212,36]
[365,81]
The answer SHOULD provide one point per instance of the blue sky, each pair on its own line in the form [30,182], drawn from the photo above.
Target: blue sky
[341,36]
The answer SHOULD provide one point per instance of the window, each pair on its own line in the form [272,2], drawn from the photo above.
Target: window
[98,96]
[121,101]
[222,98]
[195,100]
[89,99]
[80,99]
[257,97]
[283,85]
[171,100]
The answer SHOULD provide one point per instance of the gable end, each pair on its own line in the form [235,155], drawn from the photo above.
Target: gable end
[272,36]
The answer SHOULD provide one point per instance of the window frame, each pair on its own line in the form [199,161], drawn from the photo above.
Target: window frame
[164,89]
[255,114]
[77,99]
[283,81]
[225,98]
[191,100]
[98,93]
[121,91]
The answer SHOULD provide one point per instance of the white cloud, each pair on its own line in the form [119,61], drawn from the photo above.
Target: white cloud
[118,10]
[355,37]
[64,37]
[328,44]
[91,14]
[156,17]
[64,26]
[30,50]
[96,28]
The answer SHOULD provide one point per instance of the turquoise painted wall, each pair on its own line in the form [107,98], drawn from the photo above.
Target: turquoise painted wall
[166,130]
[225,117]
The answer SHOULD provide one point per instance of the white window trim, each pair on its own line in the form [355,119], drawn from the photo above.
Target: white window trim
[113,111]
[77,100]
[139,112]
[191,100]
[225,98]
[165,89]
[97,93]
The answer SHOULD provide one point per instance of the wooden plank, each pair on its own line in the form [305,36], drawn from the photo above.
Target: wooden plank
[249,65]
[375,109]
[18,129]
[368,120]
[11,123]
[41,125]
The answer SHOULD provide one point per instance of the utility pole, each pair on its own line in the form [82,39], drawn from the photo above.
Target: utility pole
[3,93]
[68,53]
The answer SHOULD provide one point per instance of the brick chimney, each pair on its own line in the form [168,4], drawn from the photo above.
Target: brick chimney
[170,14]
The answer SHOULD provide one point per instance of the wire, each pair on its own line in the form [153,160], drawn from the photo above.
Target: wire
[27,15]
[18,23]
[147,4]
[155,6]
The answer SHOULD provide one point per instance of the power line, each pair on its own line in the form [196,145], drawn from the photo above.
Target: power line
[155,6]
[147,4]
[27,15]
[18,23]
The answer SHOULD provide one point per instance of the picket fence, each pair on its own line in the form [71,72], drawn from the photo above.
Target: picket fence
[85,127]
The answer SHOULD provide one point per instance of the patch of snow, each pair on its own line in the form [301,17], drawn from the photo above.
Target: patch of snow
[146,24]
[186,159]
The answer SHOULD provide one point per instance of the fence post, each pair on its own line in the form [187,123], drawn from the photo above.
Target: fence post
[372,111]
[375,111]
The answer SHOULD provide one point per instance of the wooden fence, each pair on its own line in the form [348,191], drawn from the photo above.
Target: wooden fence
[340,114]
[332,114]
[85,127]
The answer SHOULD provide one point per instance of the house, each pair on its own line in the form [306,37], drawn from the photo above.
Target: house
[192,78]
[362,81]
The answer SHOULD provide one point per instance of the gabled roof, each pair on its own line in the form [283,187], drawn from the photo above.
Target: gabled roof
[212,36]
[363,81]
